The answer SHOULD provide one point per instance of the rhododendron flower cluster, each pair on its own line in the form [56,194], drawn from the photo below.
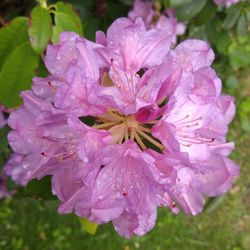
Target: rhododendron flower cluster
[153,18]
[125,125]
[226,3]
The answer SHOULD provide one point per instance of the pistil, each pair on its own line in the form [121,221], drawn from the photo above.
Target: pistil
[124,128]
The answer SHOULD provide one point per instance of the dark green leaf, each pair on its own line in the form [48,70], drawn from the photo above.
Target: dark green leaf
[89,120]
[198,32]
[165,3]
[232,15]
[126,2]
[41,71]
[241,27]
[12,36]
[213,203]
[190,10]
[116,10]
[41,29]
[222,41]
[3,138]
[206,14]
[40,189]
[179,3]
[17,74]
[91,25]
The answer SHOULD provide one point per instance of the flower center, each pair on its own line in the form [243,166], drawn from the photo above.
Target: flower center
[124,128]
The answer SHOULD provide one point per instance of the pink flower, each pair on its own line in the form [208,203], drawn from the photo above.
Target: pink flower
[124,126]
[153,18]
[226,3]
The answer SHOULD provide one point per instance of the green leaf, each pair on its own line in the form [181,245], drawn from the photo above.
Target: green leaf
[41,29]
[206,14]
[232,82]
[12,36]
[41,71]
[198,32]
[40,189]
[67,23]
[244,114]
[88,226]
[91,25]
[17,74]
[190,10]
[239,57]
[213,203]
[232,15]
[241,27]
[116,10]
[126,2]
[178,3]
[56,33]
[67,19]
[222,42]
[3,138]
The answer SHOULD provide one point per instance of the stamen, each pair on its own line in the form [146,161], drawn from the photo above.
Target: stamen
[126,135]
[150,139]
[148,130]
[105,125]
[152,122]
[114,115]
[120,140]
[110,116]
[132,135]
[139,140]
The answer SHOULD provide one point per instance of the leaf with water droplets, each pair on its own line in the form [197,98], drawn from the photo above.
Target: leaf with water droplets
[88,226]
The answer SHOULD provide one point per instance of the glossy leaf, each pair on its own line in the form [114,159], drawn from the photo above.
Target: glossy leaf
[17,74]
[88,226]
[12,36]
[40,29]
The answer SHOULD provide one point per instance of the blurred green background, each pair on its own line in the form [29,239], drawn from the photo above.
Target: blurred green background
[30,224]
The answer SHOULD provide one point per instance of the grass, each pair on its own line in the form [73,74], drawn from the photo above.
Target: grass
[28,224]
